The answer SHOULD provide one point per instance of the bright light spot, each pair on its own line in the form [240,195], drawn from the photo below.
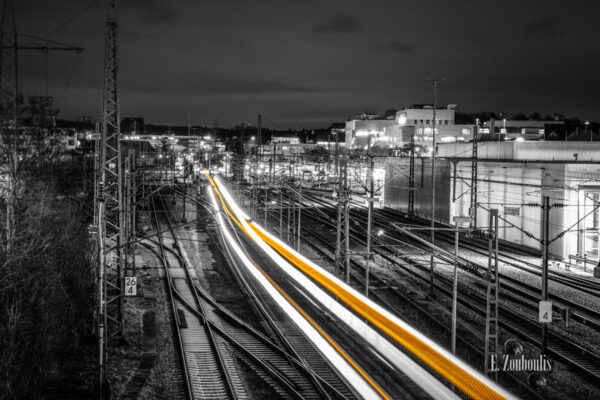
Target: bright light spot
[519,139]
[380,232]
[402,119]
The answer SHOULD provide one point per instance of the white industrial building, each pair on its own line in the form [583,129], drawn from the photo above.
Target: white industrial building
[414,122]
[512,177]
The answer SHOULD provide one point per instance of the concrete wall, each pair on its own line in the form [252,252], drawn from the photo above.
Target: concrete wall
[526,151]
[397,180]
[514,185]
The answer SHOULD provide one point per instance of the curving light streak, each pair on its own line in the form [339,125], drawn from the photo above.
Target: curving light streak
[401,361]
[359,384]
[460,374]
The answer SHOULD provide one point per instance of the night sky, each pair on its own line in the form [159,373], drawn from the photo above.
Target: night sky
[309,63]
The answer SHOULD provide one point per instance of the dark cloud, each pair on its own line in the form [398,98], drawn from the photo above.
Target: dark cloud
[232,86]
[217,86]
[152,11]
[398,47]
[338,24]
[544,28]
[236,58]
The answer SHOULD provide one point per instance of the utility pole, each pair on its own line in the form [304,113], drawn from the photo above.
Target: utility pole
[10,100]
[433,153]
[259,138]
[493,289]
[473,205]
[131,207]
[299,224]
[545,243]
[242,141]
[289,202]
[112,220]
[454,292]
[411,181]
[183,196]
[342,246]
[274,159]
[266,205]
[281,212]
[370,199]
[337,155]
[458,220]
[173,177]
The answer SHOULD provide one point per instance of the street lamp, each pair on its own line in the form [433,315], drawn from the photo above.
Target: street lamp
[433,151]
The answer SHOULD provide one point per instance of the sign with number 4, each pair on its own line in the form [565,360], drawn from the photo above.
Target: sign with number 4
[545,312]
[130,286]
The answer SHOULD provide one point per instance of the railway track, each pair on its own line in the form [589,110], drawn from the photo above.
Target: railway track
[215,341]
[206,376]
[511,256]
[559,347]
[384,291]
[397,301]
[579,312]
[476,246]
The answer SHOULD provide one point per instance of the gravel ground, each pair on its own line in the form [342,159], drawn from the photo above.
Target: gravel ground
[163,381]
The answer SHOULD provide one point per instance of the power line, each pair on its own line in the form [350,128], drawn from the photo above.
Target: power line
[73,18]
[68,83]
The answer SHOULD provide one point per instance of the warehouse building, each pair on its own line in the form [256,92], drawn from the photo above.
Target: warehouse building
[512,178]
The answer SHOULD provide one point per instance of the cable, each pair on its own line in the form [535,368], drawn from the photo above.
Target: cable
[73,18]
[68,83]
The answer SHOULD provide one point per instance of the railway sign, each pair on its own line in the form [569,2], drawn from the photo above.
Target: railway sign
[516,211]
[130,286]
[545,315]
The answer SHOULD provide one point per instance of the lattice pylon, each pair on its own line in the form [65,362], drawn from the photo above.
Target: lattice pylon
[342,248]
[493,287]
[112,176]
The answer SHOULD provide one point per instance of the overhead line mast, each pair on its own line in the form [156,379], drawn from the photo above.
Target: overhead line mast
[112,216]
[10,100]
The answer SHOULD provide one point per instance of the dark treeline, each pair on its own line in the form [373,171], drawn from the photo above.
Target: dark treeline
[47,284]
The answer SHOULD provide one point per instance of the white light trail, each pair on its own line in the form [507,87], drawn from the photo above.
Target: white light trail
[401,361]
[346,370]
